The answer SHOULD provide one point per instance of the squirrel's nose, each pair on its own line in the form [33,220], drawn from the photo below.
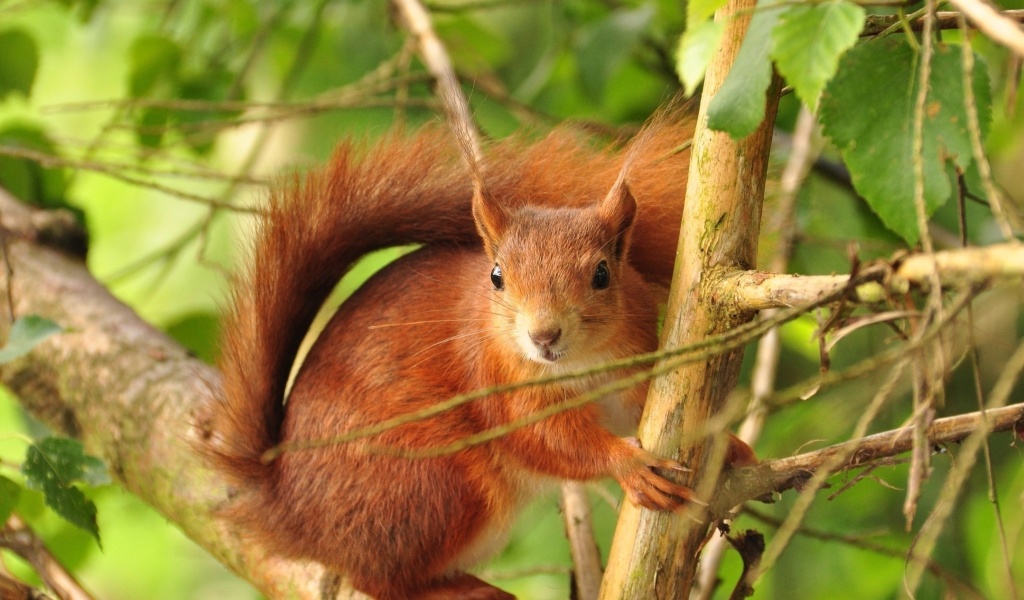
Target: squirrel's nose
[546,337]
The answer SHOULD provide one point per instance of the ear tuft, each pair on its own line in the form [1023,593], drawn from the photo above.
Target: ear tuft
[492,219]
[618,210]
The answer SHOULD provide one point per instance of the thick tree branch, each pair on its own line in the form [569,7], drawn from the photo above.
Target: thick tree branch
[133,396]
[653,554]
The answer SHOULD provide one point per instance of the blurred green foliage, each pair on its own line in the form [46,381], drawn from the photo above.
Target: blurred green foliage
[154,112]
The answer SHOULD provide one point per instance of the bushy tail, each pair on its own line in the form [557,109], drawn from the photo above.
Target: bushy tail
[405,190]
[401,190]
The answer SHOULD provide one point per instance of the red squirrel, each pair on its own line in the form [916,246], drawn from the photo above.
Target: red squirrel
[562,281]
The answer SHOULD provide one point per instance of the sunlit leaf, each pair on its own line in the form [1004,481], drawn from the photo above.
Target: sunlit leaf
[700,10]
[809,40]
[696,48]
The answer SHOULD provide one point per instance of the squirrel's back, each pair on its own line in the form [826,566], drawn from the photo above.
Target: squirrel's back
[433,325]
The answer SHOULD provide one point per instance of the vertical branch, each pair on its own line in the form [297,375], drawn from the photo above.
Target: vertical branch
[586,558]
[806,148]
[654,554]
[929,368]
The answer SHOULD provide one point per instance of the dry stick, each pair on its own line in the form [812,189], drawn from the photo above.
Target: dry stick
[979,393]
[862,544]
[756,290]
[583,549]
[18,537]
[987,422]
[876,24]
[992,192]
[779,475]
[49,160]
[998,27]
[995,201]
[928,369]
[803,503]
[801,158]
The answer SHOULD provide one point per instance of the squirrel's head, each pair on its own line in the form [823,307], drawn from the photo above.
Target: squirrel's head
[558,275]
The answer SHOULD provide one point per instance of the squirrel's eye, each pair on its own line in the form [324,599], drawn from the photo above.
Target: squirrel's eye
[602,277]
[496,278]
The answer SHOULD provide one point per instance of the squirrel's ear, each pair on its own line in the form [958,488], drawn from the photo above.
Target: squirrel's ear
[492,219]
[618,209]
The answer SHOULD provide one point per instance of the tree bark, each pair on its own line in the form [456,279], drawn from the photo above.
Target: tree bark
[654,555]
[132,395]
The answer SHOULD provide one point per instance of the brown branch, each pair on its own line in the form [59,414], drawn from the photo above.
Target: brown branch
[755,290]
[19,538]
[586,556]
[779,475]
[134,397]
[876,24]
[858,542]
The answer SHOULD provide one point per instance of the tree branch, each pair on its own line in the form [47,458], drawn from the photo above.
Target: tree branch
[779,475]
[133,396]
[756,290]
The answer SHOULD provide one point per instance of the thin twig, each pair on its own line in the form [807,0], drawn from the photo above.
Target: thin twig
[19,538]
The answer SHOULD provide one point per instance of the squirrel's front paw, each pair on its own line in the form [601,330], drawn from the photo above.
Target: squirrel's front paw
[644,487]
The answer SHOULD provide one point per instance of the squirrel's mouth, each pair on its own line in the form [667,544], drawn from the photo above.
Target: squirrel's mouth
[547,354]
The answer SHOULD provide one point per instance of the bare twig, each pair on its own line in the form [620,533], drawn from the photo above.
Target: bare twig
[785,473]
[586,557]
[19,538]
[984,422]
[859,542]
[1000,28]
[954,268]
[875,24]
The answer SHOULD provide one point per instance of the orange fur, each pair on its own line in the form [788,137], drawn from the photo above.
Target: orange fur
[402,527]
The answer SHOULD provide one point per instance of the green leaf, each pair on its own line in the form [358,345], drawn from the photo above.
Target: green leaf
[19,63]
[10,492]
[701,10]
[605,47]
[51,466]
[810,39]
[155,62]
[868,111]
[26,333]
[738,107]
[27,179]
[696,48]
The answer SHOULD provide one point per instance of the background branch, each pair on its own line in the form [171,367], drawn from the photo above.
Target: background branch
[133,396]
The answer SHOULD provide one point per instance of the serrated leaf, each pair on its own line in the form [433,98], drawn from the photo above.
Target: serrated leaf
[19,63]
[809,40]
[9,494]
[738,107]
[868,111]
[26,333]
[696,48]
[51,466]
